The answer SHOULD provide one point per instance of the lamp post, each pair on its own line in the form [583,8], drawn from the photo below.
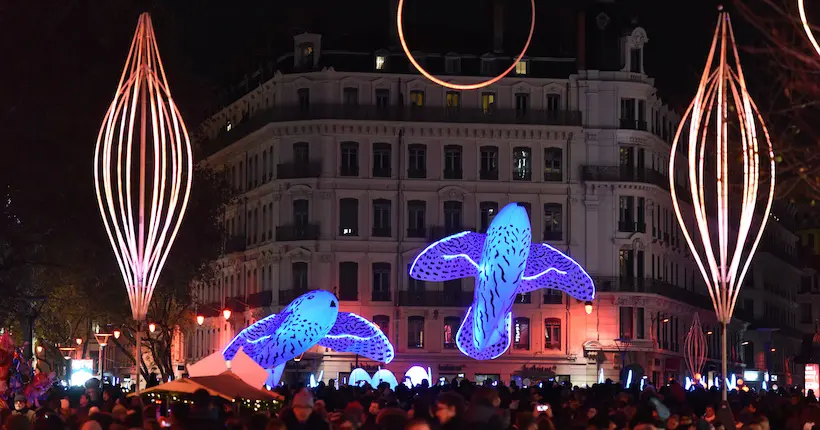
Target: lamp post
[102,340]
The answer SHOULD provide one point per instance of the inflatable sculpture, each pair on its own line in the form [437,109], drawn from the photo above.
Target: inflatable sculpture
[504,263]
[313,318]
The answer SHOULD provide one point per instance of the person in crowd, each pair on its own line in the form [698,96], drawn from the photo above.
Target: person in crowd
[21,408]
[301,416]
[450,411]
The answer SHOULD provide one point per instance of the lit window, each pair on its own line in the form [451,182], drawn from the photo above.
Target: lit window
[417,98]
[229,126]
[380,60]
[453,99]
[487,102]
[521,67]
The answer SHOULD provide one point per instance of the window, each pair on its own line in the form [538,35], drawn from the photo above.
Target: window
[452,162]
[451,325]
[640,323]
[348,281]
[417,98]
[452,217]
[453,100]
[552,333]
[626,263]
[415,332]
[553,158]
[553,297]
[522,105]
[452,65]
[521,67]
[301,153]
[628,114]
[350,159]
[381,218]
[383,323]
[299,272]
[381,160]
[626,323]
[350,96]
[487,66]
[382,98]
[626,215]
[381,60]
[349,217]
[635,63]
[521,333]
[489,163]
[416,226]
[806,316]
[381,282]
[488,211]
[641,225]
[301,212]
[303,94]
[522,164]
[553,221]
[228,125]
[487,102]
[553,103]
[417,161]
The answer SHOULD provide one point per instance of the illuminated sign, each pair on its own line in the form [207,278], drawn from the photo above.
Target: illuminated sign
[811,378]
[81,371]
[751,375]
[504,263]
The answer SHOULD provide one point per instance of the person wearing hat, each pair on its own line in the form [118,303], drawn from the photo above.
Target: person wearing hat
[21,408]
[301,416]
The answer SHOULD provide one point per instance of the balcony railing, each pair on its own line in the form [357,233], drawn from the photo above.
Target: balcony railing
[490,175]
[312,169]
[631,227]
[438,232]
[630,174]
[381,172]
[553,235]
[633,124]
[290,233]
[380,296]
[553,177]
[260,299]
[420,232]
[416,173]
[349,171]
[435,298]
[237,243]
[287,296]
[453,174]
[381,232]
[340,111]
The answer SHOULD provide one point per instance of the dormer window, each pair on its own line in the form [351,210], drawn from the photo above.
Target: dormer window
[420,58]
[632,50]
[381,60]
[452,65]
[306,54]
[522,67]
[228,126]
[487,66]
[635,59]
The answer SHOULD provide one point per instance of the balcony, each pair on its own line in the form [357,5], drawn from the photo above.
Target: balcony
[236,243]
[287,296]
[381,232]
[416,173]
[311,169]
[340,111]
[294,232]
[630,174]
[380,296]
[417,233]
[633,124]
[261,299]
[349,170]
[522,175]
[381,172]
[631,227]
[489,175]
[438,232]
[553,235]
[453,174]
[553,177]
[435,298]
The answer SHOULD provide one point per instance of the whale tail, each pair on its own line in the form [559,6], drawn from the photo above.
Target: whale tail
[499,343]
[233,347]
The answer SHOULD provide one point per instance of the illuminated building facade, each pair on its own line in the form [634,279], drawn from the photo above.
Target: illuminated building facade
[348,165]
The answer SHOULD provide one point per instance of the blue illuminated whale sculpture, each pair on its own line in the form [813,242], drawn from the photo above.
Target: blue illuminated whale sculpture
[504,263]
[313,318]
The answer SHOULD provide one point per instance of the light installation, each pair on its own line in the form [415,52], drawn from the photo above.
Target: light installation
[806,26]
[426,74]
[359,376]
[312,318]
[695,347]
[416,375]
[504,262]
[723,260]
[143,167]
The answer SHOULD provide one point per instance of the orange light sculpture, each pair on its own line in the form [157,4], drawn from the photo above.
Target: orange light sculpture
[723,260]
[694,349]
[426,74]
[143,167]
[806,27]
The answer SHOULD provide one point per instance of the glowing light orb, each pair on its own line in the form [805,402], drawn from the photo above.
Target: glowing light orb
[416,375]
[312,318]
[723,260]
[504,263]
[426,74]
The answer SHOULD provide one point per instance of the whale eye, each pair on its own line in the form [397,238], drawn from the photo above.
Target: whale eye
[332,304]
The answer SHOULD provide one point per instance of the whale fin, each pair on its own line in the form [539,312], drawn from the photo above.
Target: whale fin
[453,257]
[548,267]
[352,333]
[465,337]
[250,337]
[274,375]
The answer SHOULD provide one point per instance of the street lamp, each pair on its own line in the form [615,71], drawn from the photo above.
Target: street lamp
[39,349]
[227,314]
[588,307]
[200,319]
[117,334]
[102,340]
[67,350]
[78,341]
[152,327]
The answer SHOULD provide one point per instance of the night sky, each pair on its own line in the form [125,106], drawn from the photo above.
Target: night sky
[62,59]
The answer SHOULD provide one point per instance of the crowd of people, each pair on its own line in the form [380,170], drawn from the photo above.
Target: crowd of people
[455,406]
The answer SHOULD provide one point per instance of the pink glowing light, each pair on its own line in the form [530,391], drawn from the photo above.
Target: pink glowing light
[722,92]
[695,347]
[143,167]
[805,21]
[426,74]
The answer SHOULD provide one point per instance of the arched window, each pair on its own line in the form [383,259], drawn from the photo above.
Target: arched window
[451,325]
[415,332]
[521,333]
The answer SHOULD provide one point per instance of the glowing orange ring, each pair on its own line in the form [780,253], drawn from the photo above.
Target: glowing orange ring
[460,86]
[806,26]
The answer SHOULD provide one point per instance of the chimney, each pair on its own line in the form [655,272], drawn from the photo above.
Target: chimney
[498,26]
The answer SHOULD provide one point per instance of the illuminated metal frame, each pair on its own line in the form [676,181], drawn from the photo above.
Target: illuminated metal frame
[142,187]
[721,87]
[426,74]
[695,348]
[805,21]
